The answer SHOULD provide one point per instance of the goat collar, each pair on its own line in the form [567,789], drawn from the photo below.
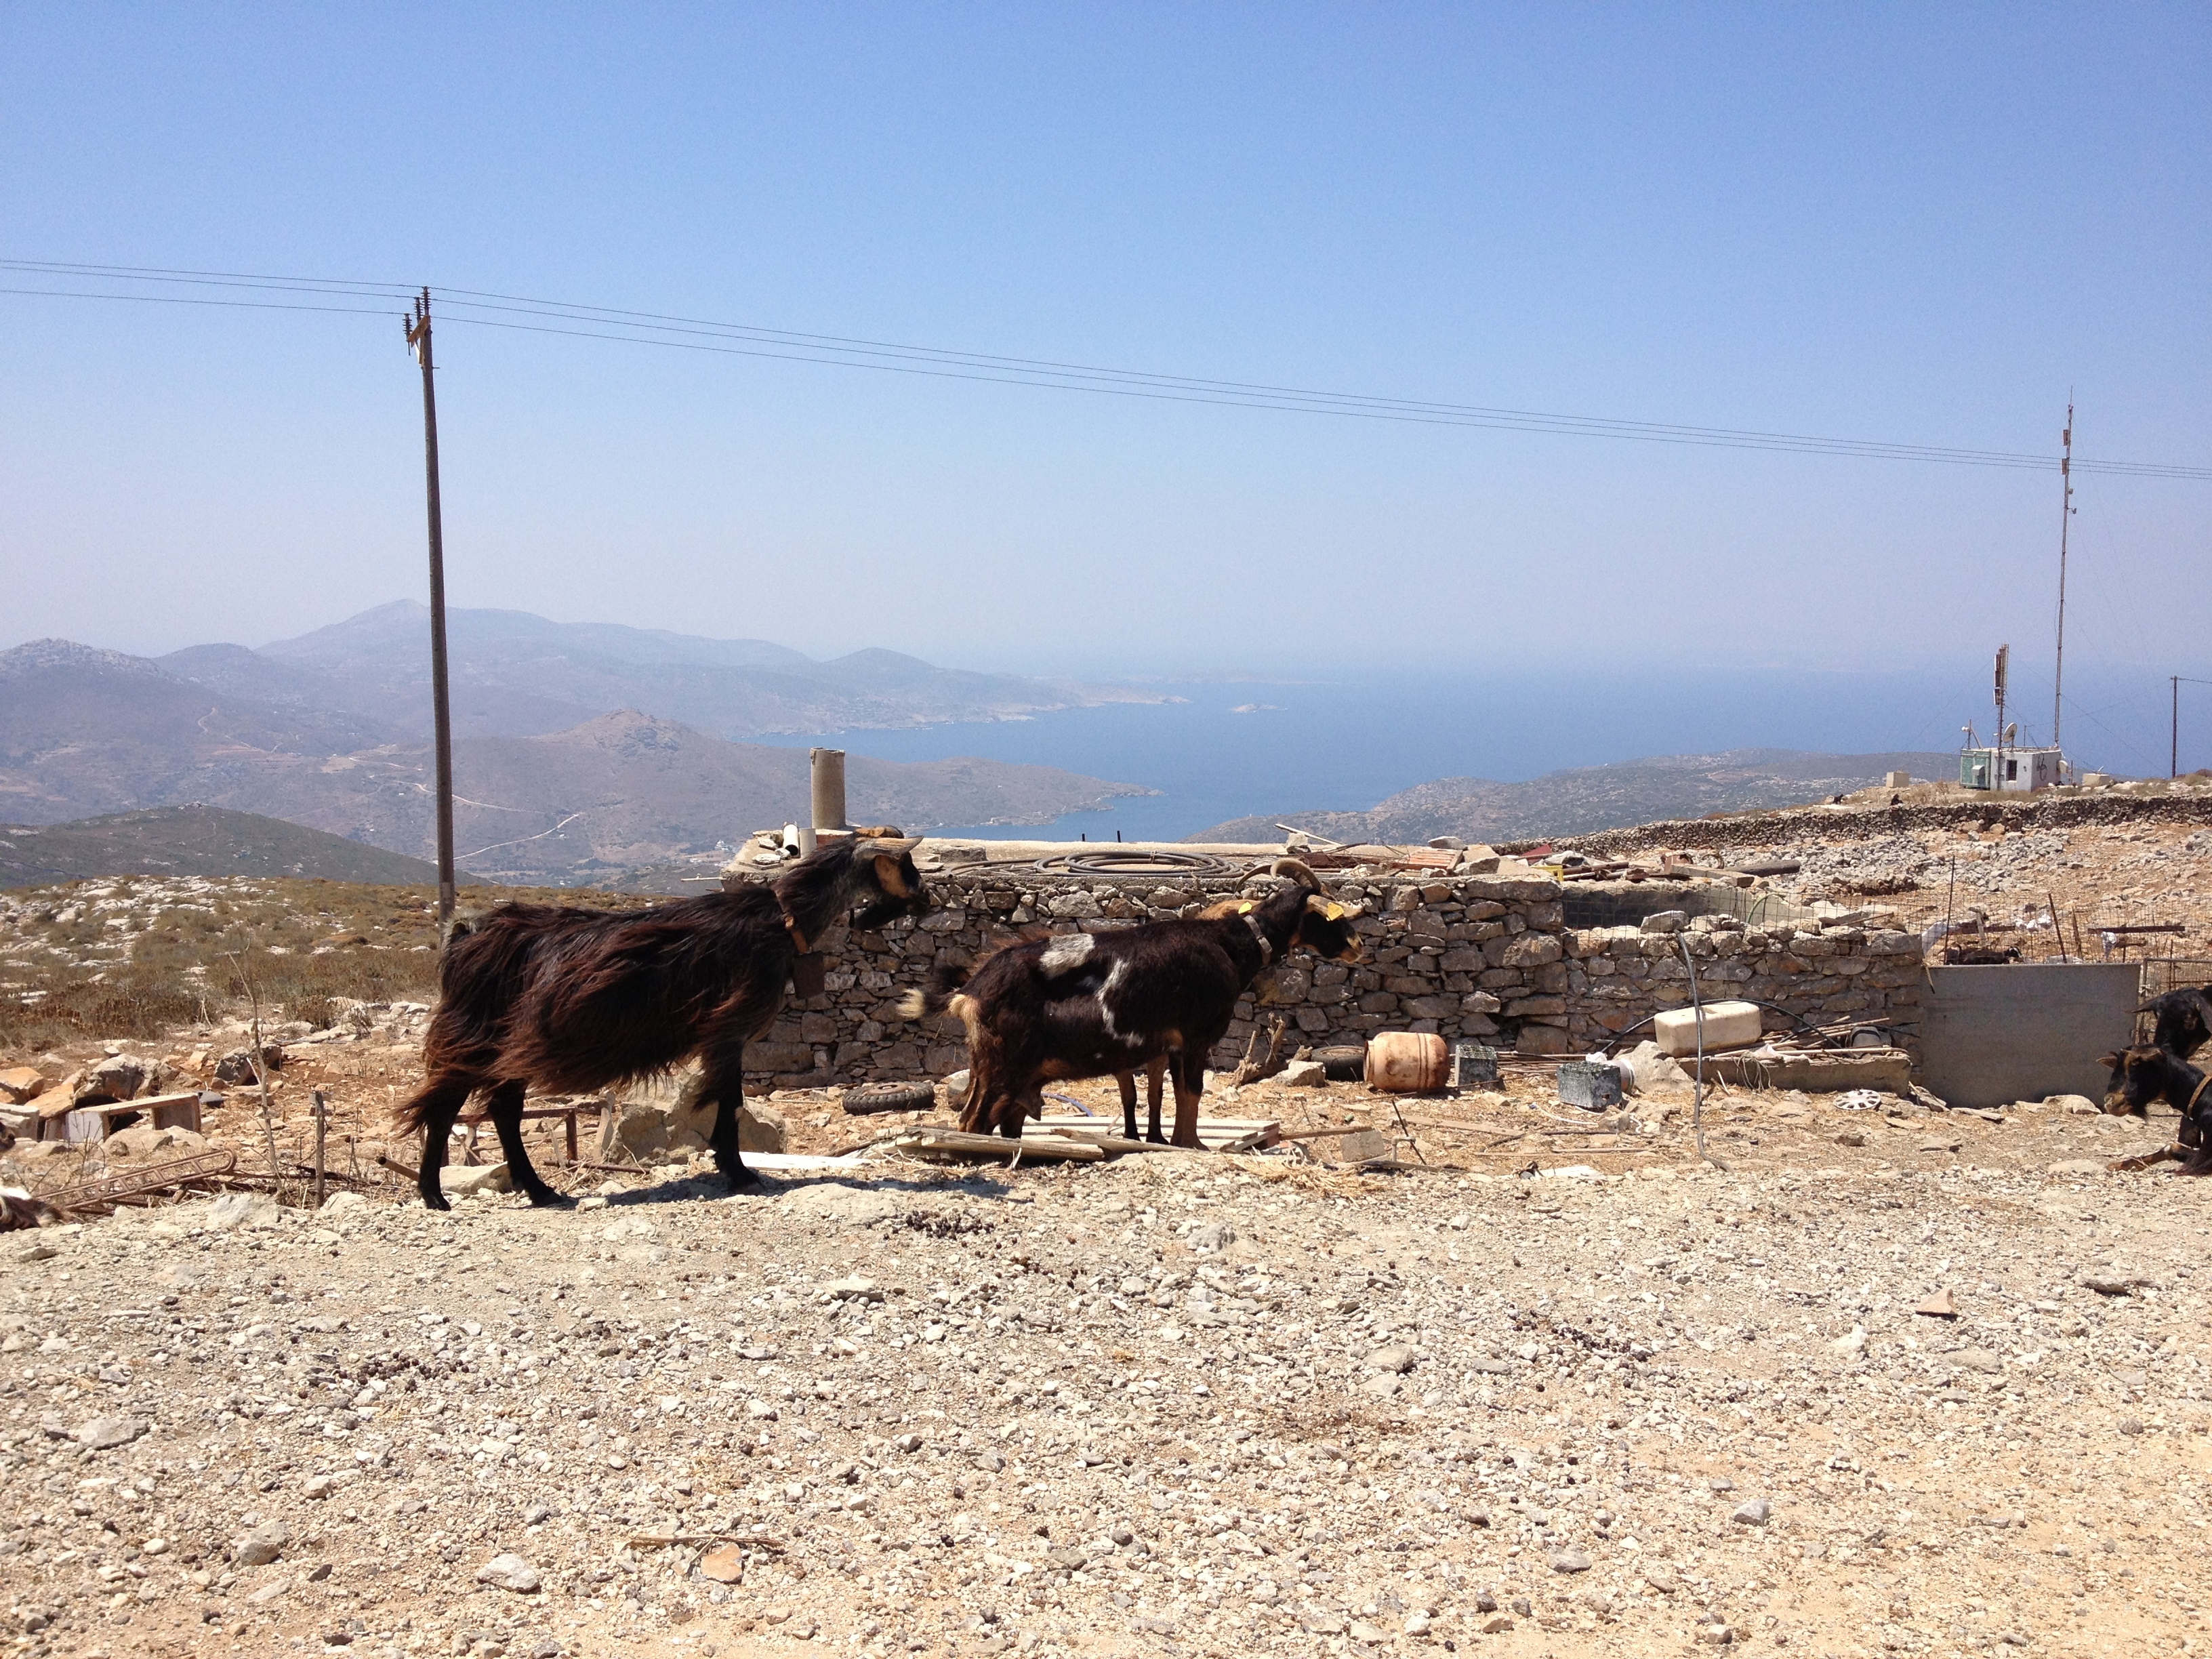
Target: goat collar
[2203,1084]
[791,927]
[1266,945]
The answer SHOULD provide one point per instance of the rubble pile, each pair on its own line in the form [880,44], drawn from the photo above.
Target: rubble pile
[1881,866]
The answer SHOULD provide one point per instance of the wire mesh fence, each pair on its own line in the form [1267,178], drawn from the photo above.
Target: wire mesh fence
[2164,974]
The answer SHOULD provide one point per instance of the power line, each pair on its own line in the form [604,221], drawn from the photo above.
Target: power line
[524,313]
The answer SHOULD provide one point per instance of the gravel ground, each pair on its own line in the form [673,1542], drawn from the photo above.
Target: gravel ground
[1175,1403]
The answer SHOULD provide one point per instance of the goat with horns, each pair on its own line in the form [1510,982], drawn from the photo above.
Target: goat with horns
[565,1001]
[1095,1005]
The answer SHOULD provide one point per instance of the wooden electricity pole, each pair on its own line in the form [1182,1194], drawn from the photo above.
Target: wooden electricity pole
[418,338]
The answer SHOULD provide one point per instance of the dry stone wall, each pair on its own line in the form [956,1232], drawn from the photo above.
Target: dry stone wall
[1486,958]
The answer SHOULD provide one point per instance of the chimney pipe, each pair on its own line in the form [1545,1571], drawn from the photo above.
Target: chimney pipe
[829,789]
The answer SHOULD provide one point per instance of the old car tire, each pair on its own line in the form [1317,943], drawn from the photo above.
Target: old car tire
[1343,1063]
[890,1097]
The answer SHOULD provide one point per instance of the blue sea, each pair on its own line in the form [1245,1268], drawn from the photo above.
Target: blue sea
[1231,748]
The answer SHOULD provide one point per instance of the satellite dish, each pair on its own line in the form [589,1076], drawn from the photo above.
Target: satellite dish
[2012,732]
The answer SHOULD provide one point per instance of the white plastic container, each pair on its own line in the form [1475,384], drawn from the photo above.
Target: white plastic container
[1728,1026]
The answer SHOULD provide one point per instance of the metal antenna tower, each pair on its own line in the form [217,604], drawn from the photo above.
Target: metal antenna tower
[2065,519]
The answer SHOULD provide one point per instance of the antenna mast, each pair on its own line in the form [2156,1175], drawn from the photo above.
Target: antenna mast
[2065,515]
[1997,757]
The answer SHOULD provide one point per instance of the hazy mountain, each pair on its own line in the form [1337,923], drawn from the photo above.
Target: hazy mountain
[194,840]
[516,675]
[1591,798]
[84,732]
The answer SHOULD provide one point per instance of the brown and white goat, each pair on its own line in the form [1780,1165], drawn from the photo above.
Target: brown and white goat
[565,1001]
[1100,1004]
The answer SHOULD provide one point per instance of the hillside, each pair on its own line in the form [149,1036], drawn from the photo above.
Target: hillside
[517,675]
[194,840]
[85,732]
[1591,798]
[628,789]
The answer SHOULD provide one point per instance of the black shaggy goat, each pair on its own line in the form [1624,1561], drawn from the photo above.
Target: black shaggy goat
[2183,1020]
[1156,1068]
[2147,1072]
[561,1001]
[1098,1005]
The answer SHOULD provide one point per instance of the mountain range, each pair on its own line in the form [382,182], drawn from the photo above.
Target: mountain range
[515,675]
[327,732]
[1586,799]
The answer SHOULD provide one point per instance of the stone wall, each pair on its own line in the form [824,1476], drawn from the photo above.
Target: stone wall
[1486,958]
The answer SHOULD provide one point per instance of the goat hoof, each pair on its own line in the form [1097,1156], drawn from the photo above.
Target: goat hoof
[740,1178]
[545,1197]
[436,1201]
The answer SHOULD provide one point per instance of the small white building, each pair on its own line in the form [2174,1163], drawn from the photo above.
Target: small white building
[2011,770]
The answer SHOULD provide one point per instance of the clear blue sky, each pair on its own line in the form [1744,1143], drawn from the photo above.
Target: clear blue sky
[1912,224]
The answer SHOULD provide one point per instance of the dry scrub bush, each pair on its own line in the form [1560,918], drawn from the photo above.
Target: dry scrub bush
[311,946]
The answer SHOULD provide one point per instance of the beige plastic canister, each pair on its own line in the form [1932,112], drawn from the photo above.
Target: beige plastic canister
[1406,1062]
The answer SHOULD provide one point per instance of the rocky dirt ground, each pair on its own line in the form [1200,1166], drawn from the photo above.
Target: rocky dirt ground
[1173,1403]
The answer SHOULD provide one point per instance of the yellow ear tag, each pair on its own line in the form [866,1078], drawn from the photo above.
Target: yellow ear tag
[1334,912]
[1245,908]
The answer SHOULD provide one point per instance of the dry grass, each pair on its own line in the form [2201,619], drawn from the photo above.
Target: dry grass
[136,956]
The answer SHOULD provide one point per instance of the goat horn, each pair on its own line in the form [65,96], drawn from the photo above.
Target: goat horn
[1300,871]
[888,846]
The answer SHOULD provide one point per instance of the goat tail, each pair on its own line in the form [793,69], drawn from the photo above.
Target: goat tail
[935,997]
[410,1115]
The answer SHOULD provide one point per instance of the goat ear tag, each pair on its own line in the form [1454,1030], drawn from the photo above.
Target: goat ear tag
[1245,908]
[1334,912]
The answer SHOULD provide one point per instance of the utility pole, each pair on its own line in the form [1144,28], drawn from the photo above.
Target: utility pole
[418,338]
[2065,517]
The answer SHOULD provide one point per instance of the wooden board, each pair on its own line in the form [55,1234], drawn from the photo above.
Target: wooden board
[930,1142]
[90,1123]
[1213,1133]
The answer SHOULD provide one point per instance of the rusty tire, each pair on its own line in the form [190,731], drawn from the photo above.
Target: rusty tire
[890,1097]
[1343,1062]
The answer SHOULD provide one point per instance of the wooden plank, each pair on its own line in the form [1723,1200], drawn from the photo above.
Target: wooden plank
[1214,1133]
[1105,1142]
[959,1143]
[1416,858]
